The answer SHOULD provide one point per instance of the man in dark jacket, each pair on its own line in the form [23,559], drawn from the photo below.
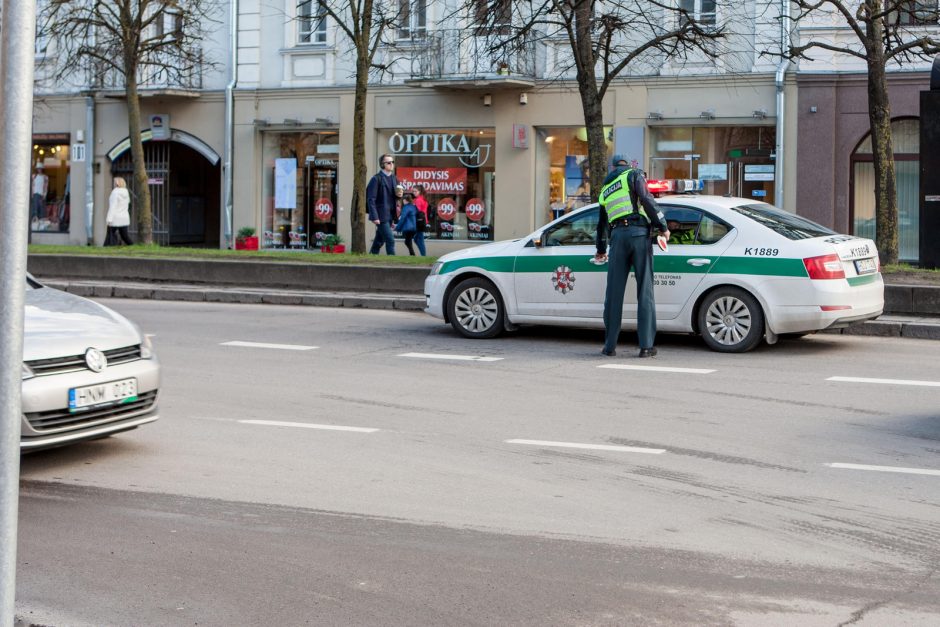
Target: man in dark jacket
[623,192]
[380,202]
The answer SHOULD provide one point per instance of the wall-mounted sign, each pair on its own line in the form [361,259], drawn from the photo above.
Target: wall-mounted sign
[441,144]
[435,180]
[78,153]
[520,136]
[713,171]
[758,172]
[160,127]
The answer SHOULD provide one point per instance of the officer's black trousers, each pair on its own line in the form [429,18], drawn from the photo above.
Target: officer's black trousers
[629,249]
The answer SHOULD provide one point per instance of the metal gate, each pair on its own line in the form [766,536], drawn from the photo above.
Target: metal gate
[157,163]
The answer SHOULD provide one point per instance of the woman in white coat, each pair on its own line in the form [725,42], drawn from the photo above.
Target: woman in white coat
[119,217]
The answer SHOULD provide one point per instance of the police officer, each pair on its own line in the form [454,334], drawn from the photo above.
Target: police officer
[630,247]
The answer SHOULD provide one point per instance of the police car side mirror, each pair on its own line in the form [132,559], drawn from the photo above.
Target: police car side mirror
[538,240]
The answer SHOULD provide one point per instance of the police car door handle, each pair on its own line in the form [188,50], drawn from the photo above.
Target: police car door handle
[698,262]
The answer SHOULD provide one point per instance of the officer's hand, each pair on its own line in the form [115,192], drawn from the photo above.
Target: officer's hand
[377,222]
[666,233]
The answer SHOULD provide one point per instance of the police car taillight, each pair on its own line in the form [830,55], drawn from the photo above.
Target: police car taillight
[824,267]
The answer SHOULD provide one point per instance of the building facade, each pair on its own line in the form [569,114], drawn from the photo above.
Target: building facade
[497,141]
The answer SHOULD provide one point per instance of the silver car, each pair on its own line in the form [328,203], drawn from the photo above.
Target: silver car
[88,372]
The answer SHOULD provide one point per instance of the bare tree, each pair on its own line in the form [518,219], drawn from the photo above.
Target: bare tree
[884,32]
[130,43]
[604,38]
[366,25]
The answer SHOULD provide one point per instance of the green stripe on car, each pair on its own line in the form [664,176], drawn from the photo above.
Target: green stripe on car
[855,281]
[661,263]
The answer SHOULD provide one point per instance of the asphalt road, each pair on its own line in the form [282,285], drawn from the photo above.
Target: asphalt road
[311,473]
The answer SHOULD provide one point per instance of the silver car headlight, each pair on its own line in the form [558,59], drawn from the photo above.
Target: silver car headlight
[28,372]
[436,268]
[146,347]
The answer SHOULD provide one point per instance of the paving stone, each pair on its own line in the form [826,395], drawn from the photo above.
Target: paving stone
[127,291]
[921,331]
[282,299]
[927,300]
[177,294]
[233,296]
[322,300]
[875,328]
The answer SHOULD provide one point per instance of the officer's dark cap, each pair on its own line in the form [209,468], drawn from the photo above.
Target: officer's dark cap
[621,162]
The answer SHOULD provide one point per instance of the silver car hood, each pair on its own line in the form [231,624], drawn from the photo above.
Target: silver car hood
[59,324]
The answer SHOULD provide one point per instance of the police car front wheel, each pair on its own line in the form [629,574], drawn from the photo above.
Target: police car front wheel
[475,309]
[730,320]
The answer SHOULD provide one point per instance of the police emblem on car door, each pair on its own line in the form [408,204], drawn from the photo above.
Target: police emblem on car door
[553,275]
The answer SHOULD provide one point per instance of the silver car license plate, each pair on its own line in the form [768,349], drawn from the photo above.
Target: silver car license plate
[124,390]
[865,266]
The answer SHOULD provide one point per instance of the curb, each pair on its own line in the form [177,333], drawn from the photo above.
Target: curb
[190,293]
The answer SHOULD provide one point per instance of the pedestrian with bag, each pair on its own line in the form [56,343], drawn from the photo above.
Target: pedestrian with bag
[407,221]
[381,203]
[421,222]
[630,248]
[119,217]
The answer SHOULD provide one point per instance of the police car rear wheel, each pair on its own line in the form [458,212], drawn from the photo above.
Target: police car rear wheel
[475,309]
[731,320]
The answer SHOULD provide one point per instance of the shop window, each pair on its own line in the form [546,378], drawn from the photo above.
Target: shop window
[412,15]
[731,160]
[50,184]
[311,23]
[299,188]
[563,171]
[457,169]
[906,142]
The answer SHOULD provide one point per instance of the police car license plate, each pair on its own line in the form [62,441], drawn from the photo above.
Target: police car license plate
[124,391]
[865,266]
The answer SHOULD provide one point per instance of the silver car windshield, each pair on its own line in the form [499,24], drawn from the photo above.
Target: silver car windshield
[790,225]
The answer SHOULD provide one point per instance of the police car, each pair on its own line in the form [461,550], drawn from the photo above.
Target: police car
[736,271]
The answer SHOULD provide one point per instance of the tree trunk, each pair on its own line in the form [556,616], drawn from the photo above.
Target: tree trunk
[358,216]
[144,215]
[590,98]
[882,148]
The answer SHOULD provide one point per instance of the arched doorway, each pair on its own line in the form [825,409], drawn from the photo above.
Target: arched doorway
[906,139]
[184,176]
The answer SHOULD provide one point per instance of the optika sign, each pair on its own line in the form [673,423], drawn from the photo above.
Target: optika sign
[444,144]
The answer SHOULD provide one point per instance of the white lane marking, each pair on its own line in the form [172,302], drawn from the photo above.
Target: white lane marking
[658,369]
[909,471]
[454,357]
[594,447]
[933,384]
[283,347]
[307,425]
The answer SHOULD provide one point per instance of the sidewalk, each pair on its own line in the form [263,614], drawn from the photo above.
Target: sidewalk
[888,325]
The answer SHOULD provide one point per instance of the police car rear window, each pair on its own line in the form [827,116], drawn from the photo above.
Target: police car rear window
[789,225]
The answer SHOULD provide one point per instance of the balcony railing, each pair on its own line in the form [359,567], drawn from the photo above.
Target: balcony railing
[162,71]
[444,54]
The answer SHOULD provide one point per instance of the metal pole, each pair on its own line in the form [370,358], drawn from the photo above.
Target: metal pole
[90,169]
[230,127]
[17,55]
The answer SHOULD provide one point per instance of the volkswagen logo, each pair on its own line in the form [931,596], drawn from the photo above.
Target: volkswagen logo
[96,360]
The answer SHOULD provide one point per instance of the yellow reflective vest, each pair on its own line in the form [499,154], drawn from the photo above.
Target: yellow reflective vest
[615,199]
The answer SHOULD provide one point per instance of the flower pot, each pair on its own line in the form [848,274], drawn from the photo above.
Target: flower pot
[246,243]
[338,248]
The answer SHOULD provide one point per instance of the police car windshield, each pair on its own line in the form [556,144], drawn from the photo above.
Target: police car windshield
[789,225]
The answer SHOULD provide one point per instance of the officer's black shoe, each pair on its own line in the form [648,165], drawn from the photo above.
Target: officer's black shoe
[648,352]
[607,353]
